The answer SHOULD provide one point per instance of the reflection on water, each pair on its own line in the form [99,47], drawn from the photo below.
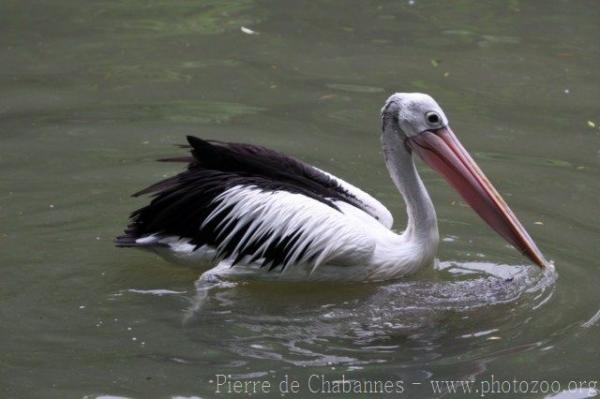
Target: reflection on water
[407,321]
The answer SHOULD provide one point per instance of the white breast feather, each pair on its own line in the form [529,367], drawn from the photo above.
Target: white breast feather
[329,233]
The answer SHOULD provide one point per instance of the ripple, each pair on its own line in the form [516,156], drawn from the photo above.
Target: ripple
[592,321]
[581,393]
[460,316]
[155,292]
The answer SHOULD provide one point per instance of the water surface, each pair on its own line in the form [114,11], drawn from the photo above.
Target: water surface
[93,92]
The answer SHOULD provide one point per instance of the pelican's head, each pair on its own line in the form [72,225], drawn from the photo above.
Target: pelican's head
[413,113]
[423,127]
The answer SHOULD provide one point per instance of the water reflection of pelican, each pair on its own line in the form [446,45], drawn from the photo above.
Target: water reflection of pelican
[414,321]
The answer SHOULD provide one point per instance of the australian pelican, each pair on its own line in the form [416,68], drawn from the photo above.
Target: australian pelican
[256,213]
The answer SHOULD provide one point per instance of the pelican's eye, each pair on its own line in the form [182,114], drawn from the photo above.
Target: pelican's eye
[432,118]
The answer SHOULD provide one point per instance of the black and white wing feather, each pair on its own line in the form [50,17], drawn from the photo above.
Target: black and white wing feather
[250,204]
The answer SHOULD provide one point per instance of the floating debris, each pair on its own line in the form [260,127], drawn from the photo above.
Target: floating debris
[501,39]
[591,124]
[327,97]
[248,31]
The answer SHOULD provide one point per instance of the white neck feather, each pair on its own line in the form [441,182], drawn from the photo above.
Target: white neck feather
[421,230]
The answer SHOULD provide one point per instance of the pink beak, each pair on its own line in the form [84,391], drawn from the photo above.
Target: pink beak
[442,151]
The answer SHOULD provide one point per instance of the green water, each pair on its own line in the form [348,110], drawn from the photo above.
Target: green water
[92,92]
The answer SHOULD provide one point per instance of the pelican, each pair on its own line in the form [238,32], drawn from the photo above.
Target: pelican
[244,211]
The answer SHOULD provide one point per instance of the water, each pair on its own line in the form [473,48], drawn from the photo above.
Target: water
[93,92]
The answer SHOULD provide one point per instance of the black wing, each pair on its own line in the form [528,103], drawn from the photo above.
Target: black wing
[183,202]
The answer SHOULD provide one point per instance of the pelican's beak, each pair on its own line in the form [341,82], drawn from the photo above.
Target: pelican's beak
[441,150]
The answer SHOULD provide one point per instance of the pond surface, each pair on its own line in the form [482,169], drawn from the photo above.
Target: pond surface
[93,92]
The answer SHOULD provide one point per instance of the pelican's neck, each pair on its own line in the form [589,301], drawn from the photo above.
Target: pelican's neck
[422,222]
